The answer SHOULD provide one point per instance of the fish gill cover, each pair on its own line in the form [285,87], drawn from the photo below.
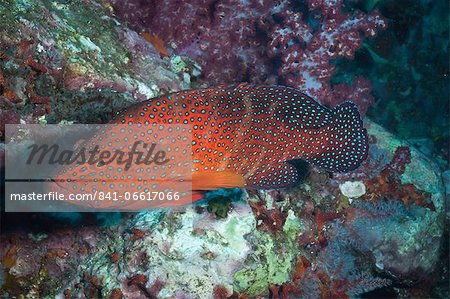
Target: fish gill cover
[339,231]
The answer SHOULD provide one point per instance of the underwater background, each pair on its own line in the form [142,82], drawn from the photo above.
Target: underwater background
[380,231]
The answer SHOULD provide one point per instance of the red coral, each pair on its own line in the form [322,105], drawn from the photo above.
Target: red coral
[300,267]
[3,56]
[284,292]
[6,91]
[139,281]
[36,66]
[332,287]
[321,219]
[114,257]
[93,286]
[271,220]
[116,294]
[401,158]
[381,177]
[24,60]
[57,253]
[137,234]
[388,184]
[220,292]
[156,287]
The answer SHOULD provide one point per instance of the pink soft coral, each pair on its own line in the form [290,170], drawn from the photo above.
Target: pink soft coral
[237,41]
[306,50]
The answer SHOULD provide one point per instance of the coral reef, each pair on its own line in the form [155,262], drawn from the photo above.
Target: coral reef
[309,241]
[306,52]
[237,41]
[55,66]
[221,35]
[333,235]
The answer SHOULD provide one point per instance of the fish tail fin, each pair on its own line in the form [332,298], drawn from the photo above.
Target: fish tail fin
[346,115]
[345,144]
[352,136]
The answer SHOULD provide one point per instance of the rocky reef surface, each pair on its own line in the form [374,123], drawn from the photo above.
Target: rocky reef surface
[72,61]
[331,236]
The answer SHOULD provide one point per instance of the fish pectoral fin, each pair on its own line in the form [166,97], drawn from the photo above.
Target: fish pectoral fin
[197,196]
[216,180]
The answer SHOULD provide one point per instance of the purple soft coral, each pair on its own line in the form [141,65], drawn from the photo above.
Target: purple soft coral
[308,44]
[237,41]
[225,37]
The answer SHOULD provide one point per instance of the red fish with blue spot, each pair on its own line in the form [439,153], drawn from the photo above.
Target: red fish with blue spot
[245,136]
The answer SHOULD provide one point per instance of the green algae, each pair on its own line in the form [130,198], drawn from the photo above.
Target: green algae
[83,29]
[75,26]
[219,207]
[177,64]
[275,257]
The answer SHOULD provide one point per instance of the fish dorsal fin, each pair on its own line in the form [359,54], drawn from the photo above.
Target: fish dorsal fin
[216,180]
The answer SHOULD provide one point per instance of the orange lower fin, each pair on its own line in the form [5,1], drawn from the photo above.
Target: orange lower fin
[197,195]
[216,180]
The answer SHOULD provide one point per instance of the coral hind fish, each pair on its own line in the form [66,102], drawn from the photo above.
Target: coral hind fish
[244,136]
